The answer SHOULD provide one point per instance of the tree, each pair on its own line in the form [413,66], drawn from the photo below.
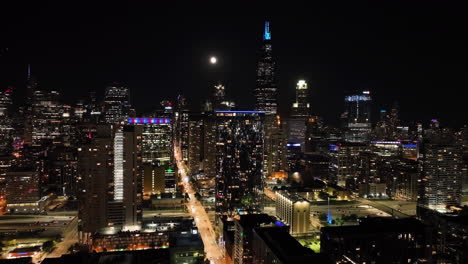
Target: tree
[48,246]
[247,200]
[322,217]
[58,238]
[323,195]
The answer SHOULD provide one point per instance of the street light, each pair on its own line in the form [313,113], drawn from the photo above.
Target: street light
[213,60]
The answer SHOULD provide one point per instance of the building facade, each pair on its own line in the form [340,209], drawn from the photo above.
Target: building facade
[294,211]
[239,160]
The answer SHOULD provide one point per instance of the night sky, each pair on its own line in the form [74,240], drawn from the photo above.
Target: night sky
[413,53]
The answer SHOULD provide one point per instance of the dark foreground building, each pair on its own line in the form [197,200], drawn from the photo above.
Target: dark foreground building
[274,245]
[153,256]
[378,240]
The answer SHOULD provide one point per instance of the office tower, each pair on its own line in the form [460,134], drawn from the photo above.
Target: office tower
[31,86]
[239,160]
[156,139]
[128,175]
[378,240]
[63,170]
[294,211]
[6,121]
[46,118]
[301,106]
[357,117]
[345,162]
[95,177]
[265,91]
[442,171]
[267,101]
[156,151]
[219,101]
[300,111]
[93,109]
[22,191]
[243,235]
[182,126]
[116,103]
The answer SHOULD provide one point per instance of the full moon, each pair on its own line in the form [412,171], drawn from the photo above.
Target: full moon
[213,60]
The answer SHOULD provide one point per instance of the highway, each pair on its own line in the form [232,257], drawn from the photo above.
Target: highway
[213,251]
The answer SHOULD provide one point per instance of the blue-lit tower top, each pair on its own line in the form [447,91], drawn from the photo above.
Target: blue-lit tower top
[265,91]
[267,34]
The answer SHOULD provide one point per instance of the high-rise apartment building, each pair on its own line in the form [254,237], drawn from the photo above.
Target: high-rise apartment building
[196,142]
[239,160]
[95,178]
[128,174]
[275,145]
[442,171]
[182,126]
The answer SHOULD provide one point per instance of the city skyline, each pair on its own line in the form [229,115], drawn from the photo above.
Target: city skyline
[254,136]
[335,51]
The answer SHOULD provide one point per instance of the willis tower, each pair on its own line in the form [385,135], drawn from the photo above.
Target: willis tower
[265,92]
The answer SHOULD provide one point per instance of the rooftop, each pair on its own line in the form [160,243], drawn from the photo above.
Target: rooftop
[287,248]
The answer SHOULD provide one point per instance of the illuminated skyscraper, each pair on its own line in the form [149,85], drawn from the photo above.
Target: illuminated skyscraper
[300,111]
[116,103]
[301,107]
[265,91]
[128,175]
[267,101]
[357,117]
[6,126]
[239,160]
[182,126]
[442,171]
[47,117]
[156,139]
[294,211]
[95,177]
[156,151]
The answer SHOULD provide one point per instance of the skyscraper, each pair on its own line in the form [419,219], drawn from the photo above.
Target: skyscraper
[156,139]
[300,111]
[6,126]
[116,103]
[301,106]
[442,171]
[182,126]
[95,177]
[265,91]
[239,160]
[128,175]
[267,101]
[357,117]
